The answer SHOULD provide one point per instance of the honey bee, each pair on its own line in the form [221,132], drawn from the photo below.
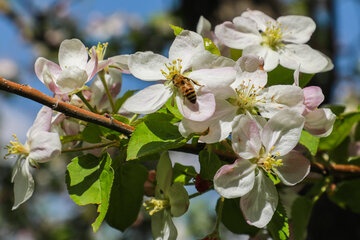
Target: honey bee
[186,87]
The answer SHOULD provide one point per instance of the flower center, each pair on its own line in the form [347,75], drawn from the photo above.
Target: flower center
[272,36]
[246,97]
[269,161]
[16,147]
[156,205]
[173,68]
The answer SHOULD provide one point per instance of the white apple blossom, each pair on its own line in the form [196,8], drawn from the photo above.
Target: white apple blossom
[41,146]
[280,41]
[73,71]
[188,58]
[263,147]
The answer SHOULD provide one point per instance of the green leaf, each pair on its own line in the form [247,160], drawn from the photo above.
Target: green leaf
[233,219]
[156,133]
[300,213]
[173,108]
[209,164]
[235,54]
[120,101]
[310,142]
[341,129]
[177,30]
[279,224]
[126,195]
[183,174]
[121,118]
[340,154]
[92,133]
[336,109]
[347,195]
[89,180]
[281,75]
[357,133]
[211,47]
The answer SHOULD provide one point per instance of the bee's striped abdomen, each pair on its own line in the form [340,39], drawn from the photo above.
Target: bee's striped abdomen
[190,94]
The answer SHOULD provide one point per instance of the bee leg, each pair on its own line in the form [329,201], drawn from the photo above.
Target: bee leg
[196,83]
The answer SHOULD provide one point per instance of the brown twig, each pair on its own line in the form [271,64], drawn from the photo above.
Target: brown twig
[67,109]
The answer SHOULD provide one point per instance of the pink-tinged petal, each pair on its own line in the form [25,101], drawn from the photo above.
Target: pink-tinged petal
[279,97]
[296,29]
[148,100]
[58,118]
[185,46]
[120,62]
[271,58]
[254,80]
[282,132]
[147,66]
[23,183]
[202,110]
[42,122]
[206,60]
[320,122]
[50,80]
[246,137]
[235,180]
[230,36]
[71,78]
[52,68]
[219,126]
[72,53]
[294,169]
[162,226]
[91,66]
[71,127]
[250,63]
[259,205]
[217,80]
[262,20]
[313,97]
[203,26]
[310,61]
[44,146]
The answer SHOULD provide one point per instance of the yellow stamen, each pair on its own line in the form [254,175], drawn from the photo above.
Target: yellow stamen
[155,205]
[172,69]
[272,36]
[270,162]
[16,147]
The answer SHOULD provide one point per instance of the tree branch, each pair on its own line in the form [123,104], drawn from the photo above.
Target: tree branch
[67,109]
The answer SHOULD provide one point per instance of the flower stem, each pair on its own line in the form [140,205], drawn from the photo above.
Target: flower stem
[108,94]
[133,118]
[81,96]
[90,147]
[194,195]
[219,214]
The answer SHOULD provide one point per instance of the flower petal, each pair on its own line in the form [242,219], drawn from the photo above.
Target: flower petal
[235,180]
[203,26]
[282,132]
[120,62]
[320,122]
[44,146]
[162,226]
[238,36]
[42,121]
[313,97]
[262,20]
[147,66]
[185,46]
[249,63]
[271,58]
[148,100]
[202,110]
[164,174]
[259,205]
[296,29]
[246,137]
[179,199]
[52,68]
[254,80]
[91,66]
[310,60]
[72,53]
[279,97]
[23,182]
[71,78]
[206,60]
[294,169]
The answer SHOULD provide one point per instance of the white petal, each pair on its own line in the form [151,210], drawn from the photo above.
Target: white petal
[203,26]
[235,180]
[72,53]
[282,132]
[162,226]
[148,100]
[279,97]
[147,66]
[185,46]
[262,20]
[44,146]
[229,35]
[294,169]
[296,29]
[121,62]
[250,63]
[218,80]
[164,175]
[257,79]
[91,67]
[71,78]
[42,121]
[23,183]
[52,68]
[205,60]
[259,205]
[271,58]
[320,122]
[202,110]
[310,60]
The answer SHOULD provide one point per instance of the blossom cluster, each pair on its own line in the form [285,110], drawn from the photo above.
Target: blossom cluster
[219,98]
